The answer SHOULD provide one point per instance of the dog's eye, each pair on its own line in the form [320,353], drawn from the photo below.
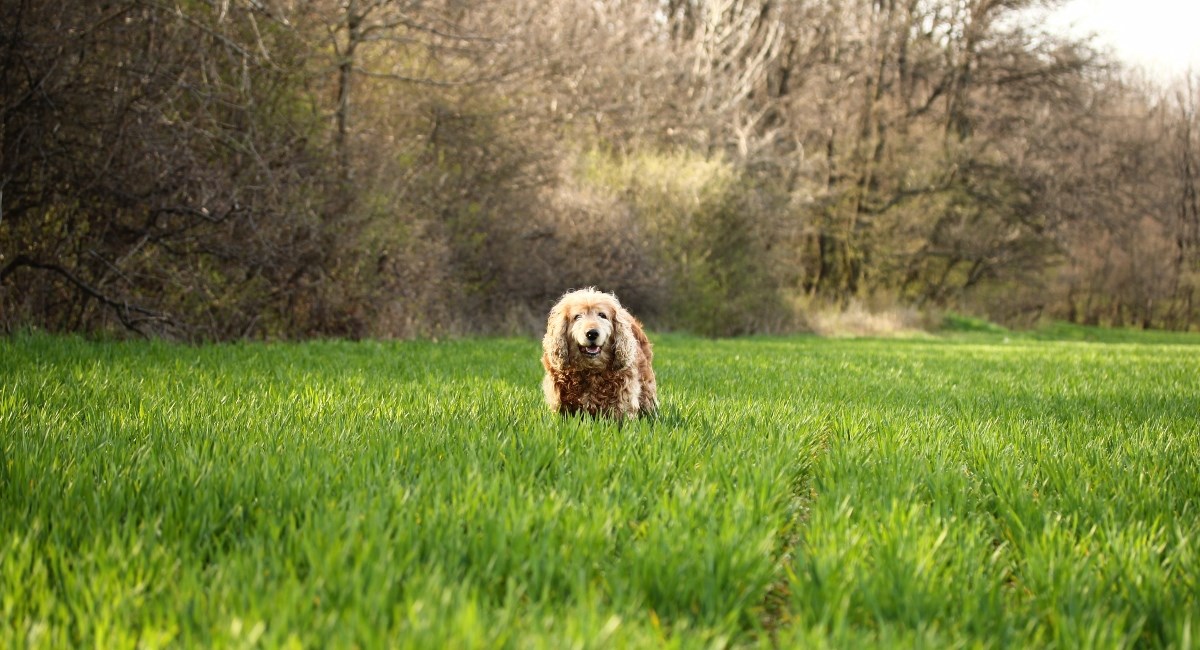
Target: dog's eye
[578,316]
[604,315]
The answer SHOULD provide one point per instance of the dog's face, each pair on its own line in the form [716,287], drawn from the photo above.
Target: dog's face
[584,330]
[590,329]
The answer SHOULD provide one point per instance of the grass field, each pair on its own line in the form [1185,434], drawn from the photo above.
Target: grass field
[986,490]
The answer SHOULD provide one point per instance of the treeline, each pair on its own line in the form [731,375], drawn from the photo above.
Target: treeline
[212,169]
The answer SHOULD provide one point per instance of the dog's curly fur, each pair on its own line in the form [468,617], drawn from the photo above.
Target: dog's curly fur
[597,358]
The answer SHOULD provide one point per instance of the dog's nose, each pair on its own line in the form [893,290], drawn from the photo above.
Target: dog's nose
[592,335]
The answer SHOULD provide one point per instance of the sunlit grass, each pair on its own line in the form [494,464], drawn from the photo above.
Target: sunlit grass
[794,491]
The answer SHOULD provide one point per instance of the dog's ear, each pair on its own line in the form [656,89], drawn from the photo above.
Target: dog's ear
[555,343]
[625,343]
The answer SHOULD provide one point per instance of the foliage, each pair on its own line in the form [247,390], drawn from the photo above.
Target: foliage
[158,171]
[703,221]
[263,169]
[794,491]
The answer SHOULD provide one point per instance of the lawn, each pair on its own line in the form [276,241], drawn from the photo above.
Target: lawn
[988,489]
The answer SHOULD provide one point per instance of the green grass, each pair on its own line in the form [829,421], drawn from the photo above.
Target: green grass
[993,491]
[959,324]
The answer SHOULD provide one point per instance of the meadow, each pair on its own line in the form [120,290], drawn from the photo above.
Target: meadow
[980,490]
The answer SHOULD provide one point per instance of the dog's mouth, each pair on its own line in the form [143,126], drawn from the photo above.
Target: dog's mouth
[590,350]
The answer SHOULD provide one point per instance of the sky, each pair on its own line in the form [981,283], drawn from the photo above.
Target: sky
[1163,36]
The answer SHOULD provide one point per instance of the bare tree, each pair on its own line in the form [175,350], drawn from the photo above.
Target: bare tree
[146,169]
[393,167]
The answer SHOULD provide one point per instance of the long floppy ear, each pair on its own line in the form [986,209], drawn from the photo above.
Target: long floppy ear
[555,343]
[625,343]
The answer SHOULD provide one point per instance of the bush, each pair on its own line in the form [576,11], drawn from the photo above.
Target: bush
[710,231]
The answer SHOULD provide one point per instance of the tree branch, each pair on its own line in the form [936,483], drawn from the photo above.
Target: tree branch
[126,313]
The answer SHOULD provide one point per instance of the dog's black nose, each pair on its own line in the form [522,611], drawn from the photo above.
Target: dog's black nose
[592,334]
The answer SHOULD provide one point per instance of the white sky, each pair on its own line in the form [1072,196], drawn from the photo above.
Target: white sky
[1163,36]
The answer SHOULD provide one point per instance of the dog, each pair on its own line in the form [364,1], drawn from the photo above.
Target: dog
[597,358]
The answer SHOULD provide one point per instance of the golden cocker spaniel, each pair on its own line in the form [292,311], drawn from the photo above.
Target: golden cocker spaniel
[597,358]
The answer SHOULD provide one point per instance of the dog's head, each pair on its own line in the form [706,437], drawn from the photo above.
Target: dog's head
[589,329]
